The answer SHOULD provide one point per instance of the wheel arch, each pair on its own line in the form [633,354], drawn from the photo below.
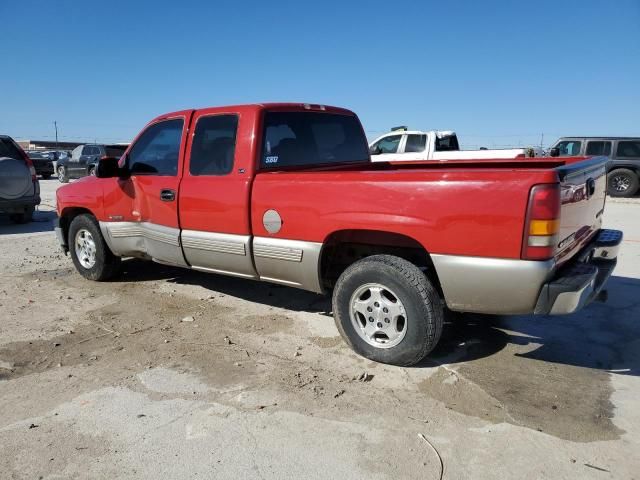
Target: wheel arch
[66,217]
[341,248]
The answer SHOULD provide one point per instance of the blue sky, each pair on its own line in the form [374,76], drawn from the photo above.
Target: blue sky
[499,73]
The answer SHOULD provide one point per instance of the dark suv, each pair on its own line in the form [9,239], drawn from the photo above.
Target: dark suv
[84,158]
[623,169]
[42,162]
[19,187]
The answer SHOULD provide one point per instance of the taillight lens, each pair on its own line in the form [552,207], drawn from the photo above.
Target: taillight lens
[542,223]
[29,163]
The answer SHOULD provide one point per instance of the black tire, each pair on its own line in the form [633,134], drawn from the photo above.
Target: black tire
[106,264]
[622,182]
[63,176]
[422,304]
[24,217]
[46,176]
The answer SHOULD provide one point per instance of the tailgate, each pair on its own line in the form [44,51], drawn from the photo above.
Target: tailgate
[583,190]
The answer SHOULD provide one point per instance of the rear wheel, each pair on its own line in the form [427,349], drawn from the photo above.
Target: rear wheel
[387,310]
[90,254]
[62,174]
[24,217]
[622,182]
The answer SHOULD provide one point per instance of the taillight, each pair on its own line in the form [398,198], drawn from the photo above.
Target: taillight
[542,223]
[32,169]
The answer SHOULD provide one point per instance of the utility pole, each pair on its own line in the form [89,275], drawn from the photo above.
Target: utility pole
[55,125]
[542,140]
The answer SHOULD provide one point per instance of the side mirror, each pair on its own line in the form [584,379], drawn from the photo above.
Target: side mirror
[107,167]
[554,152]
[374,150]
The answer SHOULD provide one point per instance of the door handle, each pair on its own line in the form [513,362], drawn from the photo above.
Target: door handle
[167,195]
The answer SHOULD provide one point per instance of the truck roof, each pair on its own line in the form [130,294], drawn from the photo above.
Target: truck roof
[605,137]
[263,106]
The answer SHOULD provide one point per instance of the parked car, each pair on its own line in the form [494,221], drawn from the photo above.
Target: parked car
[43,162]
[19,186]
[84,158]
[623,169]
[286,193]
[403,145]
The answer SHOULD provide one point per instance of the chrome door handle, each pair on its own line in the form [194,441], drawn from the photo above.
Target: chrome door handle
[167,195]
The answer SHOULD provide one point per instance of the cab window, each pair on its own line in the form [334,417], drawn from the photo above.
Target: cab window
[628,149]
[213,147]
[156,151]
[599,148]
[415,143]
[569,148]
[387,144]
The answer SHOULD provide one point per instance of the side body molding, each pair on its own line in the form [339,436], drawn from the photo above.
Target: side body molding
[145,240]
[219,253]
[289,262]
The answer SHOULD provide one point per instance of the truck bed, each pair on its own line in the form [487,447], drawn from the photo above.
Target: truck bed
[460,207]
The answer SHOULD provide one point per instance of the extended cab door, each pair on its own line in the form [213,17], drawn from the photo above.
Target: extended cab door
[142,211]
[215,194]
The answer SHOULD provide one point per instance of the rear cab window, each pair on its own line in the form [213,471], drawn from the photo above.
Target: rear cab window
[302,139]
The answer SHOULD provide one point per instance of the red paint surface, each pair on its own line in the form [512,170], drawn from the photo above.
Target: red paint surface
[474,208]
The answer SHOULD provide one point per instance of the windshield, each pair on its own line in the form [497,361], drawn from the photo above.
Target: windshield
[312,138]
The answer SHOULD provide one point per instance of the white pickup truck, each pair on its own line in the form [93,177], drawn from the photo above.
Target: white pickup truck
[411,145]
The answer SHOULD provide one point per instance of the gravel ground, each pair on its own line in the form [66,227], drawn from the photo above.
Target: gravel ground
[108,380]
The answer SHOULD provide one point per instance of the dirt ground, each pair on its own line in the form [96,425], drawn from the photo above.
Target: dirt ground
[168,373]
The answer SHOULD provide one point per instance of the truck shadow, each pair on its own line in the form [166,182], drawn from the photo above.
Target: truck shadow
[252,291]
[42,222]
[603,336]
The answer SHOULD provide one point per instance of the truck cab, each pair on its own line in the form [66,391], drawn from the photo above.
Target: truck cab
[623,168]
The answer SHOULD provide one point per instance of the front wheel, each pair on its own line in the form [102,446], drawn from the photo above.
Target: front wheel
[90,254]
[387,310]
[622,182]
[63,177]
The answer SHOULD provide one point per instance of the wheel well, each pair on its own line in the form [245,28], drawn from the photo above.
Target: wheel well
[633,168]
[67,217]
[344,247]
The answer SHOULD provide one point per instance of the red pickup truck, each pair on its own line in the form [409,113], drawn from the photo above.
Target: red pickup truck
[287,193]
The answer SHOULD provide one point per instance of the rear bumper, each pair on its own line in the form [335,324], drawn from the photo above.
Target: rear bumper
[44,168]
[19,205]
[580,282]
